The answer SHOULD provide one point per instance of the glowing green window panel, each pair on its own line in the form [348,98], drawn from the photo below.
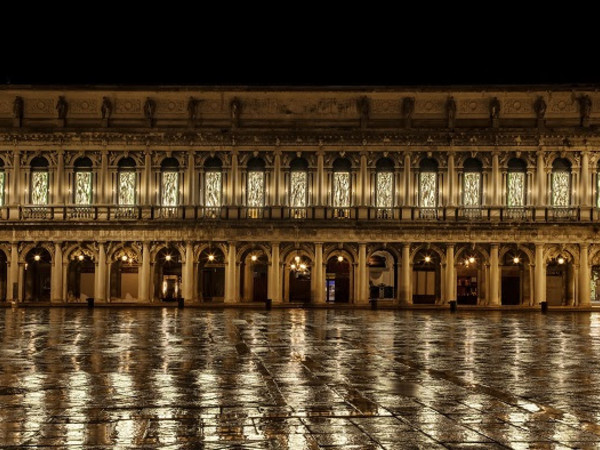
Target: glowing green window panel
[127,188]
[472,189]
[39,188]
[341,189]
[83,188]
[427,189]
[298,189]
[170,188]
[213,189]
[256,189]
[515,189]
[384,191]
[561,186]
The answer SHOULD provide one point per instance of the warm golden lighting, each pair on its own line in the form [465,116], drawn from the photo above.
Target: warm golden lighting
[80,257]
[428,259]
[293,266]
[211,257]
[124,258]
[297,259]
[561,260]
[168,258]
[302,266]
[471,259]
[130,260]
[253,258]
[37,257]
[340,258]
[516,260]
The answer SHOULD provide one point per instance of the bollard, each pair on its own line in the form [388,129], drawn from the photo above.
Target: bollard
[268,304]
[90,302]
[452,305]
[180,302]
[544,306]
[373,303]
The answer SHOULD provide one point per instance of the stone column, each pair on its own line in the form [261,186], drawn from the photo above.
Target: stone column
[408,198]
[13,273]
[541,181]
[144,293]
[100,279]
[585,278]
[540,275]
[276,180]
[275,274]
[147,185]
[450,274]
[317,273]
[104,181]
[16,191]
[495,179]
[494,276]
[230,275]
[233,180]
[362,275]
[321,182]
[406,296]
[191,181]
[187,278]
[59,174]
[585,188]
[451,176]
[57,277]
[364,180]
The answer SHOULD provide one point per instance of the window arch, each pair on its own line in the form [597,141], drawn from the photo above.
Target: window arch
[561,183]
[299,183]
[213,182]
[428,187]
[472,170]
[126,192]
[341,183]
[384,192]
[169,182]
[255,185]
[39,181]
[82,181]
[516,183]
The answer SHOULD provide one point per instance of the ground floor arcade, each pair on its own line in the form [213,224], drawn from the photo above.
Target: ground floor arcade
[301,272]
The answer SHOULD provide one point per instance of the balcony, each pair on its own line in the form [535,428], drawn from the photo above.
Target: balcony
[168,212]
[472,214]
[37,212]
[124,213]
[562,214]
[209,213]
[519,214]
[82,212]
[426,213]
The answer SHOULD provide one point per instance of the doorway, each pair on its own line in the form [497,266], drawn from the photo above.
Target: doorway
[338,280]
[37,275]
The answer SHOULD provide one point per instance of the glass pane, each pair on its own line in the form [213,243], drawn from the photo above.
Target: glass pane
[560,188]
[384,189]
[341,189]
[298,189]
[256,189]
[83,188]
[213,189]
[169,188]
[597,190]
[472,189]
[516,189]
[2,188]
[39,188]
[427,189]
[127,188]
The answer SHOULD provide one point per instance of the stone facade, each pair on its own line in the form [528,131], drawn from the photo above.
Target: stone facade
[414,191]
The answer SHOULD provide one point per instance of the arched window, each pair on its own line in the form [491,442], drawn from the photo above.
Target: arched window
[298,183]
[472,183]
[428,183]
[516,187]
[82,182]
[126,192]
[213,182]
[2,182]
[384,193]
[39,181]
[169,182]
[341,183]
[561,183]
[255,187]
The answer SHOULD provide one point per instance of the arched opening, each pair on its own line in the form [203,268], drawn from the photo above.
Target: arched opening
[426,277]
[384,191]
[338,279]
[342,187]
[255,187]
[2,183]
[169,182]
[127,180]
[211,275]
[516,278]
[82,181]
[516,183]
[124,275]
[472,183]
[254,275]
[560,280]
[38,271]
[298,187]
[428,188]
[213,186]
[299,271]
[3,275]
[167,274]
[382,275]
[561,183]
[470,276]
[595,284]
[38,184]
[80,276]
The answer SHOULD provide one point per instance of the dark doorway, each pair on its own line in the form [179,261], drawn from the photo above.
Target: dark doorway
[37,275]
[299,287]
[167,277]
[338,280]
[211,272]
[3,275]
[511,290]
[259,275]
[80,278]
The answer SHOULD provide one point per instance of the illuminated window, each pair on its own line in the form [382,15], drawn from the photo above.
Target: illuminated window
[472,183]
[2,182]
[82,181]
[515,183]
[255,189]
[384,192]
[127,182]
[341,183]
[428,183]
[213,183]
[298,183]
[561,183]
[598,186]
[39,181]
[169,186]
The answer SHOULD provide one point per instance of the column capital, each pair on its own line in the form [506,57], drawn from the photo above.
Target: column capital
[584,245]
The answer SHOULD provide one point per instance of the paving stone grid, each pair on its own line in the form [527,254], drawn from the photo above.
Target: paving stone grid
[168,378]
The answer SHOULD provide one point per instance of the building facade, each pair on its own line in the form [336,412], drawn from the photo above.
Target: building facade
[486,196]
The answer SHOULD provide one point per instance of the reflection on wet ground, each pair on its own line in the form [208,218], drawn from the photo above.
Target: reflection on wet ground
[168,378]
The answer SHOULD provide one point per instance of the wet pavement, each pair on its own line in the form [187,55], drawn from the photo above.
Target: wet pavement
[292,378]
